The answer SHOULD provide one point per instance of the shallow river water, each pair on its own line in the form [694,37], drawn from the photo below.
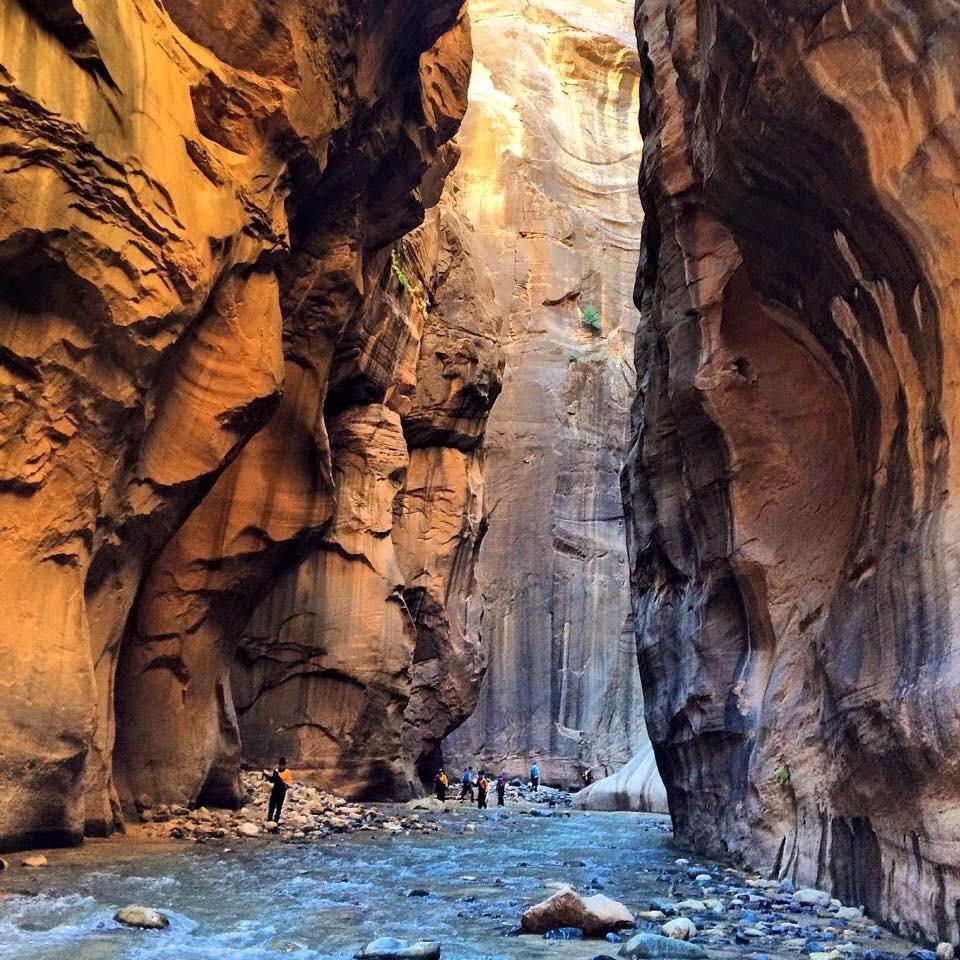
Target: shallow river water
[325,899]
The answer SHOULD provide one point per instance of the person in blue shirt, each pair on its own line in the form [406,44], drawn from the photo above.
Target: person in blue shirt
[535,776]
[466,785]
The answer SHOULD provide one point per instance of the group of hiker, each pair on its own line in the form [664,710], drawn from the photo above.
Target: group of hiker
[281,779]
[470,780]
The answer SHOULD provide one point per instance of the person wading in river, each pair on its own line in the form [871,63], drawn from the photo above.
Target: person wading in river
[441,785]
[501,789]
[466,785]
[482,784]
[281,778]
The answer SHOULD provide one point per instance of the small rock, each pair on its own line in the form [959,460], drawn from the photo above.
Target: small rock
[694,906]
[944,950]
[785,885]
[390,948]
[680,928]
[651,946]
[145,918]
[807,896]
[418,892]
[37,860]
[271,826]
[248,829]
[849,913]
[652,915]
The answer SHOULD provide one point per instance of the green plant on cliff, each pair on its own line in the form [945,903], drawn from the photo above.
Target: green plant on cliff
[409,286]
[781,776]
[590,317]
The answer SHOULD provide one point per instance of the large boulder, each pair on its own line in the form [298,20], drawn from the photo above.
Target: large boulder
[594,915]
[635,786]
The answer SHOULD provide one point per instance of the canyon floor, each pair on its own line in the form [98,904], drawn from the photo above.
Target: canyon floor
[259,898]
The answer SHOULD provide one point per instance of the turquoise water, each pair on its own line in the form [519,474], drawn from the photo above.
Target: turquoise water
[264,899]
[326,899]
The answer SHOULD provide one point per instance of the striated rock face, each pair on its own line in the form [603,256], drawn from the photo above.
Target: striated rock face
[196,200]
[548,178]
[791,492]
[364,656]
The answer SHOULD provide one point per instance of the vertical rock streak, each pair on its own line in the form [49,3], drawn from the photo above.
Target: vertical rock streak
[550,151]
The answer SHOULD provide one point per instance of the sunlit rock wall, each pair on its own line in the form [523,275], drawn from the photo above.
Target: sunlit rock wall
[548,179]
[791,491]
[194,201]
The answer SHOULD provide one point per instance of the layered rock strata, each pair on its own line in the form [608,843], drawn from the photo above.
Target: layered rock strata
[791,492]
[548,178]
[364,656]
[195,201]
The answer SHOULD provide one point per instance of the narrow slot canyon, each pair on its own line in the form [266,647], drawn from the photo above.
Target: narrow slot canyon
[406,405]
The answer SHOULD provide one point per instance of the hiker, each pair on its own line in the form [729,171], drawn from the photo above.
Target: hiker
[501,789]
[281,778]
[535,776]
[482,785]
[441,784]
[466,785]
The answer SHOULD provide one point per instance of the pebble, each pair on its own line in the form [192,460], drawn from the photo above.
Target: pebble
[810,897]
[38,860]
[248,830]
[692,905]
[680,928]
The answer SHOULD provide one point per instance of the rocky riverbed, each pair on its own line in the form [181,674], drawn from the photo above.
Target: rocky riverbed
[460,877]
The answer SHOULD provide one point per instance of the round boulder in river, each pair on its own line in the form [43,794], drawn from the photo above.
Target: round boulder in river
[390,948]
[145,918]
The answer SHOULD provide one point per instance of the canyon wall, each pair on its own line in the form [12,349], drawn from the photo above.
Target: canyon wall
[548,180]
[791,494]
[206,368]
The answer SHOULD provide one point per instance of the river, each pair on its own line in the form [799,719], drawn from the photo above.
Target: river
[260,899]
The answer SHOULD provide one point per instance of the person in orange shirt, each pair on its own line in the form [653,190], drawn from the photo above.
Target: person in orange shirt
[281,778]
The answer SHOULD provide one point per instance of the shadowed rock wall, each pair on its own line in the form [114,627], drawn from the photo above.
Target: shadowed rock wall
[195,201]
[791,492]
[548,179]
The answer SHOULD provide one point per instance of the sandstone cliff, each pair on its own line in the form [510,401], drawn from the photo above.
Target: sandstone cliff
[791,489]
[548,178]
[196,200]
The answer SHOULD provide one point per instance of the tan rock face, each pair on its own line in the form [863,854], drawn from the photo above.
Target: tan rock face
[547,177]
[194,203]
[790,489]
[360,659]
